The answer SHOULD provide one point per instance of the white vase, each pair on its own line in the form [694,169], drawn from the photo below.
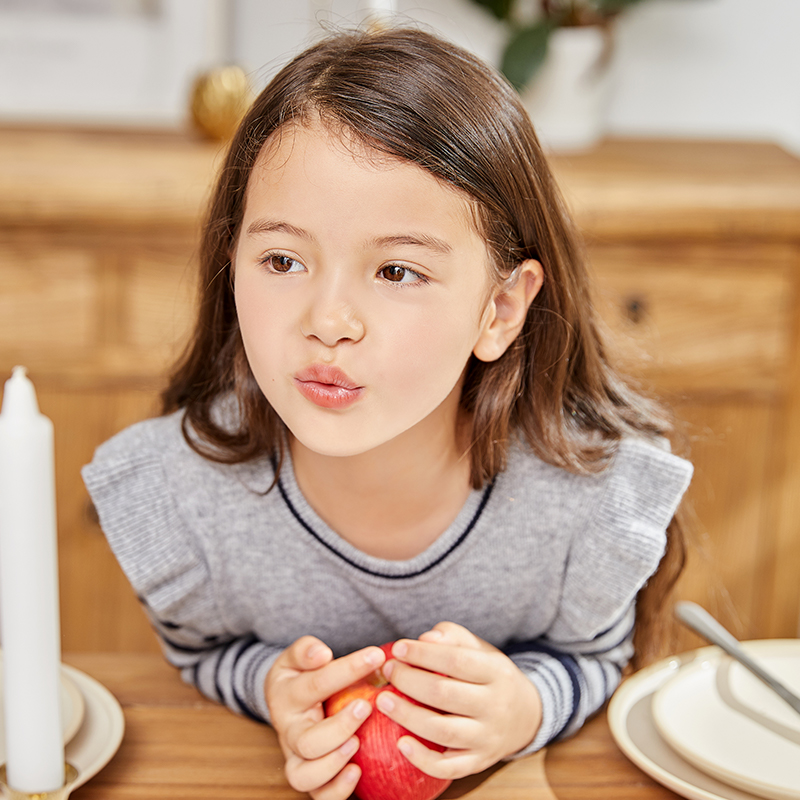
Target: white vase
[568,97]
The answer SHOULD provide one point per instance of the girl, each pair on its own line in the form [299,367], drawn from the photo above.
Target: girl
[395,421]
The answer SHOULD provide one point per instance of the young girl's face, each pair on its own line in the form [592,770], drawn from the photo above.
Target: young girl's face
[361,286]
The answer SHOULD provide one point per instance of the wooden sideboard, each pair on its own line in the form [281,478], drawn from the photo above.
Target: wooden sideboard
[696,250]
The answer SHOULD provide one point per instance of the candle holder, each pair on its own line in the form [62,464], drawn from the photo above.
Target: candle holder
[70,776]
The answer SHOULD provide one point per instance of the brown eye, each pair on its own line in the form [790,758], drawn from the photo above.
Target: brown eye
[394,273]
[279,263]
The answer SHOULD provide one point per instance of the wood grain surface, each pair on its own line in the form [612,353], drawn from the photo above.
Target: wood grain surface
[179,746]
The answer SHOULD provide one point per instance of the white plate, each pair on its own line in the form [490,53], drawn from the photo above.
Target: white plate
[103,726]
[100,733]
[72,709]
[725,721]
[632,726]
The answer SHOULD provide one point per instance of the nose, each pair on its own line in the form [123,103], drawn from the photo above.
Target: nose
[331,317]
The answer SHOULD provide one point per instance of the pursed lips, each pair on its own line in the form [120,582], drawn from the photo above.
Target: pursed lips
[327,387]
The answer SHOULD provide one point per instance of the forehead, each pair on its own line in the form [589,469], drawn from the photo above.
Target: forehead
[314,151]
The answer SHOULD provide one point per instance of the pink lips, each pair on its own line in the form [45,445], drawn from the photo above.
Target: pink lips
[327,387]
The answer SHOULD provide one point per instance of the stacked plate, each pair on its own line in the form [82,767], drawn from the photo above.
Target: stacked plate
[92,723]
[705,727]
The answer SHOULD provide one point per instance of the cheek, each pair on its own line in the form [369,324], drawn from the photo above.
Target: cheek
[434,350]
[258,319]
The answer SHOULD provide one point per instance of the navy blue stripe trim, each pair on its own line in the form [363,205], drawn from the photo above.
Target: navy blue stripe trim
[246,645]
[617,643]
[613,624]
[604,676]
[179,647]
[548,675]
[606,649]
[567,661]
[484,500]
[217,684]
[248,680]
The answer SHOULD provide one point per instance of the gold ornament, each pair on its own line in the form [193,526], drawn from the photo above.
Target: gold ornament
[219,100]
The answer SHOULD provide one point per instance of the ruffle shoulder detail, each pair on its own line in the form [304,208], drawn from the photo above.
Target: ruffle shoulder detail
[623,541]
[128,481]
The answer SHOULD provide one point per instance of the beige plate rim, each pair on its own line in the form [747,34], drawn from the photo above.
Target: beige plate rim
[642,685]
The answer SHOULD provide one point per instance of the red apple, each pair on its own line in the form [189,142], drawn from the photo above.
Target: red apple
[386,774]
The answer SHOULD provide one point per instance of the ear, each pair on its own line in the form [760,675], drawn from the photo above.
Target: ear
[506,312]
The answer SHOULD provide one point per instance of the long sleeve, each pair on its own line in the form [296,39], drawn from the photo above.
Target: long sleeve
[170,575]
[577,663]
[229,671]
[574,679]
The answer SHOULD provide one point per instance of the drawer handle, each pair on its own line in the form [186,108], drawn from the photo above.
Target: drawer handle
[636,309]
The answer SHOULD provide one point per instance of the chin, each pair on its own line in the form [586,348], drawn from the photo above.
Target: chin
[337,446]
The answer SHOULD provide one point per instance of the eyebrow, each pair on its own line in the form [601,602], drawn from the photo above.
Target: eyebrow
[276,226]
[415,240]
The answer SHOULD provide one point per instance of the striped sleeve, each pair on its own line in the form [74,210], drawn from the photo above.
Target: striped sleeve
[577,664]
[574,679]
[167,569]
[231,671]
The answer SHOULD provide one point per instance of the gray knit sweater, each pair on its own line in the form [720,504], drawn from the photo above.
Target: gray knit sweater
[542,564]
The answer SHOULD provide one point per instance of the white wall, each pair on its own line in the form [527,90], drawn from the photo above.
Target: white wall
[710,68]
[698,68]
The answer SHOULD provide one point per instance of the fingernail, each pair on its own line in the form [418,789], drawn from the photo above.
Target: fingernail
[315,650]
[399,649]
[350,774]
[349,747]
[373,657]
[404,747]
[435,635]
[360,709]
[388,669]
[385,702]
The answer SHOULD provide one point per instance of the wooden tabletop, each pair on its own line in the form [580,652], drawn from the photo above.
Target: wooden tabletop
[179,746]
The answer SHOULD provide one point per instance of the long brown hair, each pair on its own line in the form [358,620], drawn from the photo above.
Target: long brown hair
[409,94]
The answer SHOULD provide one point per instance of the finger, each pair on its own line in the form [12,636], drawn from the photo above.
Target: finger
[341,787]
[462,663]
[306,653]
[311,776]
[316,686]
[312,740]
[447,730]
[451,633]
[440,692]
[449,765]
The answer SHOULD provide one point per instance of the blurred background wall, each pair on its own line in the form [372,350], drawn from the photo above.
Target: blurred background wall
[698,68]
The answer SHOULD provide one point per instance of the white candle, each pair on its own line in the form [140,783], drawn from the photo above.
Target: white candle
[29,592]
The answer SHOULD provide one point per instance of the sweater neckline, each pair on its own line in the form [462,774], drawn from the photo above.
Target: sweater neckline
[442,547]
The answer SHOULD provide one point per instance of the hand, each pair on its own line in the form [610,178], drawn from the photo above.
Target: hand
[317,749]
[481,707]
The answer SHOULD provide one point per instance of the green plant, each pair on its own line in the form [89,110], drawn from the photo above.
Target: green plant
[526,47]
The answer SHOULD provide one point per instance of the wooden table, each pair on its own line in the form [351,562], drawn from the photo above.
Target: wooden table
[179,746]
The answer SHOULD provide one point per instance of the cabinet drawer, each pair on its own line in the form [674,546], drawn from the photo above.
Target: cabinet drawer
[695,319]
[48,299]
[159,300]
